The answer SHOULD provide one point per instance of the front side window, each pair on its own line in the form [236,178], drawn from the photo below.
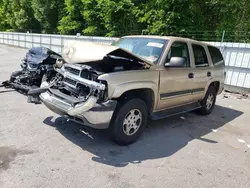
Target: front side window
[179,49]
[200,56]
[147,48]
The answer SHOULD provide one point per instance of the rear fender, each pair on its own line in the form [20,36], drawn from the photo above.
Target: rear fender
[209,83]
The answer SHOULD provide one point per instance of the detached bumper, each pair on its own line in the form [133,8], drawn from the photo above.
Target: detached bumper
[89,113]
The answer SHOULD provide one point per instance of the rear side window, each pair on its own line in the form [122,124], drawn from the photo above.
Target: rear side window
[215,54]
[200,56]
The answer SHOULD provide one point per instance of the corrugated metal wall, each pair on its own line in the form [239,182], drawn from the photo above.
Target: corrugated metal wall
[237,60]
[236,55]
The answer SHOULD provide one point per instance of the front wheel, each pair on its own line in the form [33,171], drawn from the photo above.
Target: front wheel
[207,104]
[129,121]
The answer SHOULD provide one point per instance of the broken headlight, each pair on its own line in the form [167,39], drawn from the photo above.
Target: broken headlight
[59,63]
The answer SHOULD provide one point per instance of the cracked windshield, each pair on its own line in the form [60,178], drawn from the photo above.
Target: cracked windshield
[147,48]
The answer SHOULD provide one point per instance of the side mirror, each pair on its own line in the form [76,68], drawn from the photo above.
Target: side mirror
[176,62]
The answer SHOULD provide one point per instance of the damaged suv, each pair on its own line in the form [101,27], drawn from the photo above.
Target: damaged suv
[119,87]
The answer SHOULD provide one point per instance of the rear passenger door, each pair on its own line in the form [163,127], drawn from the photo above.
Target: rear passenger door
[202,71]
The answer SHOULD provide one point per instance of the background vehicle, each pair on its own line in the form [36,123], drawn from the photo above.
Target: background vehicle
[119,87]
[36,66]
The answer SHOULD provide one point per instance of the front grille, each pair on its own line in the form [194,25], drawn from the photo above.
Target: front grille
[69,81]
[86,74]
[72,70]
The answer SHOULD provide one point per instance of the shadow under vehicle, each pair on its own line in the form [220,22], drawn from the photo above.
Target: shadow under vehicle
[162,138]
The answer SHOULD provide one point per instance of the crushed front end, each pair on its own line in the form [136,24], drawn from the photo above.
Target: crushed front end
[77,93]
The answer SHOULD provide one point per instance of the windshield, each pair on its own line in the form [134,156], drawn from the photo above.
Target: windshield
[147,48]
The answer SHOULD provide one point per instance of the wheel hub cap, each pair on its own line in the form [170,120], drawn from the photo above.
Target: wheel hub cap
[210,101]
[132,122]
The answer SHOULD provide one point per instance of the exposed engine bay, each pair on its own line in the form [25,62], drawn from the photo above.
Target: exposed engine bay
[76,86]
[80,80]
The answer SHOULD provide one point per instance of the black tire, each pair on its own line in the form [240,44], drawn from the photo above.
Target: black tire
[207,109]
[123,110]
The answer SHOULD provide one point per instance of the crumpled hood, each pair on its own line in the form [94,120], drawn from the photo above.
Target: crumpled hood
[82,52]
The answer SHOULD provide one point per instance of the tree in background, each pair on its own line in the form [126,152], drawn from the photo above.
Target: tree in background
[48,13]
[72,21]
[17,15]
[203,20]
[119,17]
[4,25]
[111,17]
[92,14]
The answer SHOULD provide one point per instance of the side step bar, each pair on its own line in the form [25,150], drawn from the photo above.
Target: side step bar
[175,111]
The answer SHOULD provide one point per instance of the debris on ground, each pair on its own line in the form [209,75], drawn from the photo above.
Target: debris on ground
[238,95]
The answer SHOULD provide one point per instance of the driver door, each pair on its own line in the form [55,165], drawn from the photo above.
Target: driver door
[176,83]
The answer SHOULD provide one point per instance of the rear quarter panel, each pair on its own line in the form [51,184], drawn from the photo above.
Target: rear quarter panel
[218,72]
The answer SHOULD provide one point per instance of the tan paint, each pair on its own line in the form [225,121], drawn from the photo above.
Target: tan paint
[167,80]
[171,86]
[120,82]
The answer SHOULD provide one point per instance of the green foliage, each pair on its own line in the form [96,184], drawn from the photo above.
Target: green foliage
[165,16]
[17,15]
[72,21]
[48,13]
[110,17]
[92,16]
[204,20]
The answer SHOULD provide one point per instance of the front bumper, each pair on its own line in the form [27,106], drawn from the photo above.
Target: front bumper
[89,113]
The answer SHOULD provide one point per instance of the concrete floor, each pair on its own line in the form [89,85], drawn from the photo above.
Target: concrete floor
[39,149]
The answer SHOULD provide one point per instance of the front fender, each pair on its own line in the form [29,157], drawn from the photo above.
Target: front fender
[120,82]
[121,89]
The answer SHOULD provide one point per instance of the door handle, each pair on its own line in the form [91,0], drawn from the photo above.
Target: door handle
[190,75]
[208,74]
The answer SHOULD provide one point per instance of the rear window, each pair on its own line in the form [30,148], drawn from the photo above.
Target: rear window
[215,54]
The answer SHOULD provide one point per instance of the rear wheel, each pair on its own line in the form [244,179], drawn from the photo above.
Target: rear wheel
[129,121]
[207,104]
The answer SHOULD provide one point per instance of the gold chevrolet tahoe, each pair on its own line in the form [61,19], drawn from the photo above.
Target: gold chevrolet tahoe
[120,86]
